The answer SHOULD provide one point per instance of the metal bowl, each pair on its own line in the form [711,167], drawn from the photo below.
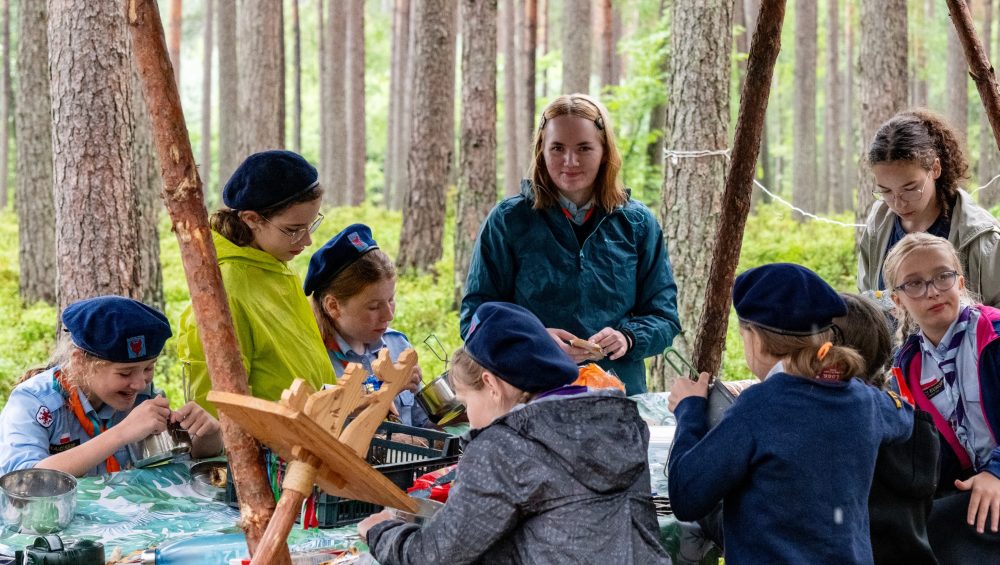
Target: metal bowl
[205,477]
[37,501]
[438,399]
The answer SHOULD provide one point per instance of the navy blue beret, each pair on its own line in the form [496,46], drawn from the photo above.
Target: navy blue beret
[337,254]
[117,329]
[268,179]
[510,342]
[786,298]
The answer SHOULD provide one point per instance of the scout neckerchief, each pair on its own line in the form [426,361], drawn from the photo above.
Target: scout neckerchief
[87,421]
[948,363]
[371,384]
[576,214]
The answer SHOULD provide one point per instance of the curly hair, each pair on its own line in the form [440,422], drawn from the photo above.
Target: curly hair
[921,136]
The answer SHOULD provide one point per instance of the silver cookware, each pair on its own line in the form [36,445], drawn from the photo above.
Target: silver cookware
[438,399]
[157,448]
[37,501]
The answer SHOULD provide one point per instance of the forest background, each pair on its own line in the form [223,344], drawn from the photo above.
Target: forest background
[638,58]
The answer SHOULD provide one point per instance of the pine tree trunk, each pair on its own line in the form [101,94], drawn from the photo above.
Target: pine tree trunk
[697,118]
[174,38]
[882,78]
[229,156]
[261,77]
[527,102]
[205,167]
[335,161]
[512,171]
[833,105]
[96,203]
[355,80]
[401,194]
[5,100]
[576,47]
[605,44]
[804,179]
[741,44]
[854,153]
[296,79]
[543,45]
[148,186]
[918,70]
[617,59]
[431,135]
[990,196]
[958,87]
[477,189]
[658,115]
[33,130]
[400,41]
[987,144]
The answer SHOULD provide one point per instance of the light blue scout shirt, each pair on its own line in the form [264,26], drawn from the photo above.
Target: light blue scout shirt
[37,422]
[410,413]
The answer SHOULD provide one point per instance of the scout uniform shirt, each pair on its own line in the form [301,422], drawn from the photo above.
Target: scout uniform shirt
[410,413]
[37,422]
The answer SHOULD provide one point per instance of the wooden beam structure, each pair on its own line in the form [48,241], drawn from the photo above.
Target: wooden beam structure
[186,204]
[764,50]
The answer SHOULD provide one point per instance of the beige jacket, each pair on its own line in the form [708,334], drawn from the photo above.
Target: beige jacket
[975,233]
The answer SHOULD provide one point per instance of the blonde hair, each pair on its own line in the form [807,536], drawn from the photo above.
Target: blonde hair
[609,192]
[894,263]
[803,353]
[466,370]
[372,267]
[76,365]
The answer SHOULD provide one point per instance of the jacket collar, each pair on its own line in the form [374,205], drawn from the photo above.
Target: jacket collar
[228,251]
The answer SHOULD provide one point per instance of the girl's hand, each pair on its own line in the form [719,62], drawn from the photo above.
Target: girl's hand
[415,379]
[195,420]
[146,419]
[612,342]
[370,521]
[562,338]
[684,387]
[985,500]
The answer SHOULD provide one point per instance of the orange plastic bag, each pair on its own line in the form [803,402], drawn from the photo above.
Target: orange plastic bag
[591,375]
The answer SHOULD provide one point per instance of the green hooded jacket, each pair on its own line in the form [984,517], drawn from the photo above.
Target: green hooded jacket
[278,335]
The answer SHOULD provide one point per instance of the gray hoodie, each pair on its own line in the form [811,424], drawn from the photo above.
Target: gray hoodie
[563,479]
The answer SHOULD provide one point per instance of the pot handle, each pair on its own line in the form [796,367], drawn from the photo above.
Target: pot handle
[434,344]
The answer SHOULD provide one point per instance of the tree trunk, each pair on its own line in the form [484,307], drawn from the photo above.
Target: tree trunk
[987,144]
[184,200]
[834,150]
[605,44]
[33,130]
[355,81]
[400,42]
[854,153]
[741,44]
[527,97]
[206,95]
[477,189]
[148,186]
[297,79]
[512,170]
[174,38]
[617,59]
[711,335]
[261,76]
[804,185]
[658,115]
[5,99]
[989,197]
[882,75]
[406,123]
[697,118]
[543,45]
[576,47]
[918,78]
[431,135]
[335,161]
[957,72]
[229,156]
[96,202]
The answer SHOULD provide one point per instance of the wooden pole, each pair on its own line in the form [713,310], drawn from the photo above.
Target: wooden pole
[185,201]
[979,63]
[764,49]
[297,486]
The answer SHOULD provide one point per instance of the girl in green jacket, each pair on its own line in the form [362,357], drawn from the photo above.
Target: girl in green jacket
[273,202]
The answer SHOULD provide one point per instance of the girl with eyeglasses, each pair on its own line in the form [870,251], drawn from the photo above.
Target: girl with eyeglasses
[273,202]
[949,366]
[918,163]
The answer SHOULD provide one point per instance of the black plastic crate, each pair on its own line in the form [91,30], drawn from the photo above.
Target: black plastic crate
[400,462]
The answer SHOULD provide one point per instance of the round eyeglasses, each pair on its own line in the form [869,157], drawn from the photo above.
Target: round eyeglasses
[908,195]
[918,289]
[298,234]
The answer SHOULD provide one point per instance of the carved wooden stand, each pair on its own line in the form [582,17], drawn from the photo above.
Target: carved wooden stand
[304,428]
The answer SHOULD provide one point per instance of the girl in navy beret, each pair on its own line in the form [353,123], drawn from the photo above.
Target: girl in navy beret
[792,459]
[273,202]
[949,364]
[575,249]
[553,473]
[79,413]
[352,288]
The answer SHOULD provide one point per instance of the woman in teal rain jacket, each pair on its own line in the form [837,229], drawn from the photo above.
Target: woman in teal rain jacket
[577,251]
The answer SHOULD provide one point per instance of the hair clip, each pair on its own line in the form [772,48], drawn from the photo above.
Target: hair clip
[599,122]
[542,122]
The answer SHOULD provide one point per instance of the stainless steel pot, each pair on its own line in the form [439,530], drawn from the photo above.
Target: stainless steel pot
[37,501]
[168,444]
[438,399]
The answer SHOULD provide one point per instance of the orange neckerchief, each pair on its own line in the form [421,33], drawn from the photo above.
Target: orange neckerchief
[586,216]
[89,423]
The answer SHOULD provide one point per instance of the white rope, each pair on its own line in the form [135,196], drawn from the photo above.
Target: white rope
[675,154]
[803,212]
[986,185]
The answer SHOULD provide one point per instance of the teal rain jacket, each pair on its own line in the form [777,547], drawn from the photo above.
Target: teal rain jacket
[620,277]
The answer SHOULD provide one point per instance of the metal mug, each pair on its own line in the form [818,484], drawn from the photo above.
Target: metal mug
[438,399]
[168,444]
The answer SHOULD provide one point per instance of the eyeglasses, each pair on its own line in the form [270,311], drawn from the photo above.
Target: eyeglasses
[918,289]
[298,234]
[908,195]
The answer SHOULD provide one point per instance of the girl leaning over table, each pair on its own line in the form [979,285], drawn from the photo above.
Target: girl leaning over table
[554,473]
[79,413]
